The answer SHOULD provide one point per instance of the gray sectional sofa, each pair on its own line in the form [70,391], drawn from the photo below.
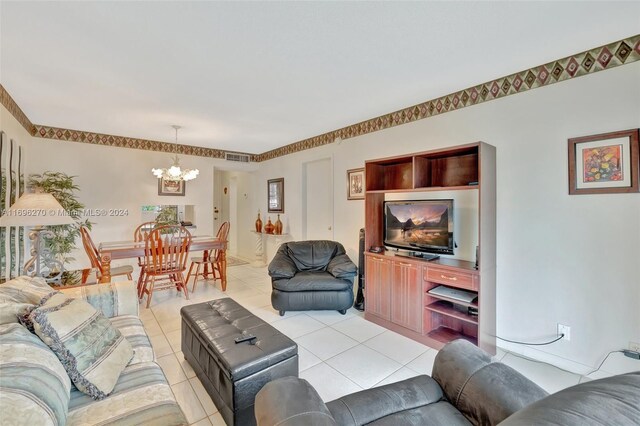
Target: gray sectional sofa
[466,389]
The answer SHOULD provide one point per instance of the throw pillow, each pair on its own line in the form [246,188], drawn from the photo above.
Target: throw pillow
[19,295]
[91,349]
[34,387]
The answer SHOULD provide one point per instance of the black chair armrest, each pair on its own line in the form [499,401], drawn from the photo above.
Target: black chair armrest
[485,393]
[342,267]
[291,401]
[282,266]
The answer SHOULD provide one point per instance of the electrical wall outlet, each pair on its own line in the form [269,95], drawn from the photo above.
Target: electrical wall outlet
[634,346]
[566,330]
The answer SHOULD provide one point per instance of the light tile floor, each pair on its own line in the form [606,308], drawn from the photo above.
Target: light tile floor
[338,354]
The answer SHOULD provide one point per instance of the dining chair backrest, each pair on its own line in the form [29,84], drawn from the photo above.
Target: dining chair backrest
[142,231]
[223,234]
[167,249]
[90,249]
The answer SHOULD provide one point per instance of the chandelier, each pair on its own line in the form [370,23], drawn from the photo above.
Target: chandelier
[175,173]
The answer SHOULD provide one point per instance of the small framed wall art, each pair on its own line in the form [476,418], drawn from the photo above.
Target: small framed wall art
[275,195]
[355,184]
[604,164]
[171,187]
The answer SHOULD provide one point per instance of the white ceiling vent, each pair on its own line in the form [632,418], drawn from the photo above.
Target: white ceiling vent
[233,156]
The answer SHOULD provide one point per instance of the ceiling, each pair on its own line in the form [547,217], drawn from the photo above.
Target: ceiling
[251,77]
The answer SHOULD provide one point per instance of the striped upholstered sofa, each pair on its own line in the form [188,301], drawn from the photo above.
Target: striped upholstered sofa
[35,388]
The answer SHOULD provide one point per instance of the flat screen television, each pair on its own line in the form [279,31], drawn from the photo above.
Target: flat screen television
[419,225]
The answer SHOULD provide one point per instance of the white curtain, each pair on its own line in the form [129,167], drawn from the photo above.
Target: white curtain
[12,239]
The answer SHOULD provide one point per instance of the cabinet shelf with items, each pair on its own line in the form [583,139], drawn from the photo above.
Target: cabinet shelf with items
[397,290]
[446,307]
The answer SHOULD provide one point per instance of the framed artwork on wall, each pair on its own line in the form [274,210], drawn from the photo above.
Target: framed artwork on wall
[355,184]
[171,187]
[604,164]
[275,195]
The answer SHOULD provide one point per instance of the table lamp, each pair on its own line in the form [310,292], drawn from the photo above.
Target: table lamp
[38,210]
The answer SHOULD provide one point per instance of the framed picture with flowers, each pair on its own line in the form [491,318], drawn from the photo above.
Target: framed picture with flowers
[604,164]
[355,184]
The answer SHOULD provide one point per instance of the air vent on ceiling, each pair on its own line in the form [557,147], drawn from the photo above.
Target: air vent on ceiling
[232,156]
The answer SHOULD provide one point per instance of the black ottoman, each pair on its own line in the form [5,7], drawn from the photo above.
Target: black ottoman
[233,373]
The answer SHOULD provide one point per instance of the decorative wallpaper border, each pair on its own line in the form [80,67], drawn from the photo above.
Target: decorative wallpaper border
[591,61]
[124,142]
[15,110]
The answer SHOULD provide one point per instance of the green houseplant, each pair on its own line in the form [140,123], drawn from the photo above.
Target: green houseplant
[63,189]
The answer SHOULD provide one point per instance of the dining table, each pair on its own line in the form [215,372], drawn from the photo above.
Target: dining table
[113,250]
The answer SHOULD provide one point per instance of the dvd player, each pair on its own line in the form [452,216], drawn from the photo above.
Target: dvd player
[454,293]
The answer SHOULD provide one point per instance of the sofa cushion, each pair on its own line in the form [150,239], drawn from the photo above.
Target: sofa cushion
[34,386]
[141,396]
[312,281]
[436,414]
[609,401]
[376,403]
[112,299]
[19,296]
[25,289]
[132,329]
[93,351]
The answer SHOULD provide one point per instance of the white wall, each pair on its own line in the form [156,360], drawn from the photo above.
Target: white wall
[561,258]
[120,178]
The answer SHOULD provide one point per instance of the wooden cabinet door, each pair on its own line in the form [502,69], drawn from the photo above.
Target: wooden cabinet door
[378,287]
[406,296]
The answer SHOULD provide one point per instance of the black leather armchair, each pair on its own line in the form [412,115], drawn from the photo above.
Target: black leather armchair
[312,275]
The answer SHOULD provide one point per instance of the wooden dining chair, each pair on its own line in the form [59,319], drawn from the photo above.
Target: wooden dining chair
[94,258]
[213,259]
[166,253]
[140,234]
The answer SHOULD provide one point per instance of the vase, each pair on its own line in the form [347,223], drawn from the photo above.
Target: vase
[268,228]
[278,227]
[258,223]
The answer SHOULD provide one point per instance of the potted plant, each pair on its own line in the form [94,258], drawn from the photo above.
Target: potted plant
[63,189]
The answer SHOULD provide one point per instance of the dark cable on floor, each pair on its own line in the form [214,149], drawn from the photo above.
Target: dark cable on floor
[531,344]
[602,363]
[559,368]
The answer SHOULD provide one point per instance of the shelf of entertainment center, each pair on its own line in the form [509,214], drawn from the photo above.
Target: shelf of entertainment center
[445,335]
[442,261]
[425,189]
[444,306]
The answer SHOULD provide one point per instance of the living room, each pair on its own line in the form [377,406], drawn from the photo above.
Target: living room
[560,258]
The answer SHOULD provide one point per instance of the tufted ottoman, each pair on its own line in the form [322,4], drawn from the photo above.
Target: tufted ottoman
[233,373]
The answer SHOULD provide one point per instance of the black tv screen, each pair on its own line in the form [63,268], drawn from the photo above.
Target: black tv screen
[419,225]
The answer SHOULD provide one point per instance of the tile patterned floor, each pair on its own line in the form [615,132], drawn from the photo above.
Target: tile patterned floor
[338,354]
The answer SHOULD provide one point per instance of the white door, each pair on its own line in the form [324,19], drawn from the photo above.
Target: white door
[222,202]
[232,208]
[318,196]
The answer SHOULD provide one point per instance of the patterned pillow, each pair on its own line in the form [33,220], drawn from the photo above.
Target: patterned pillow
[19,295]
[34,387]
[91,349]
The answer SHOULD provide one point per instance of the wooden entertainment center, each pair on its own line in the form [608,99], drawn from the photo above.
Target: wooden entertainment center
[397,287]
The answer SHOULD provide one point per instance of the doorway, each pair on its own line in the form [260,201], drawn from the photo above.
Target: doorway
[317,191]
[221,202]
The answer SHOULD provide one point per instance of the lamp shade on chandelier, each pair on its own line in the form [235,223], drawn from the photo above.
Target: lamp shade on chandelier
[174,172]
